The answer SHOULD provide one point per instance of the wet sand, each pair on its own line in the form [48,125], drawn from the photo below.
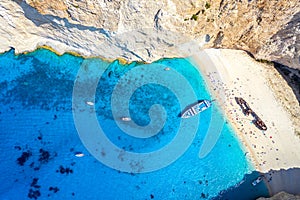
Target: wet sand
[236,74]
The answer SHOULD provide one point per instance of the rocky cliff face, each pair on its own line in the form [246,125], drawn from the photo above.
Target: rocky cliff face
[282,196]
[268,29]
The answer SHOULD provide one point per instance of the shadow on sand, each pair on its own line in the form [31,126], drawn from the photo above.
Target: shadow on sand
[292,77]
[273,182]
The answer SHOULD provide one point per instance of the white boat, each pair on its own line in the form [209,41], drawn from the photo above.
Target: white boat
[257,181]
[126,119]
[89,103]
[79,154]
[195,109]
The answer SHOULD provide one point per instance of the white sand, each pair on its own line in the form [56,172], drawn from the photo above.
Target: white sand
[241,76]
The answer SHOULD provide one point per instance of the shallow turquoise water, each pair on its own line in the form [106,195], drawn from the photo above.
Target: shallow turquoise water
[36,120]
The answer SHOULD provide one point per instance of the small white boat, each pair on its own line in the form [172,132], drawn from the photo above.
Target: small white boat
[195,109]
[89,103]
[79,154]
[257,181]
[126,119]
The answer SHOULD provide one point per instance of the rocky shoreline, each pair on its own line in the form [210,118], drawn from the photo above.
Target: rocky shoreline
[281,196]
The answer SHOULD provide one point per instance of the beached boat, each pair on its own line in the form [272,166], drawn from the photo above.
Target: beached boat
[260,124]
[247,110]
[244,105]
[195,109]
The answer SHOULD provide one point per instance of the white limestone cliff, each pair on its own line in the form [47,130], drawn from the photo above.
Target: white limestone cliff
[148,30]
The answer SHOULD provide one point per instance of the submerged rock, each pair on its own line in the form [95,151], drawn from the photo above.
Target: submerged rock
[54,189]
[64,170]
[34,194]
[44,156]
[23,158]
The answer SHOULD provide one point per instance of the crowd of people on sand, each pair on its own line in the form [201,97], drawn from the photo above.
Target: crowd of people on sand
[219,85]
[229,93]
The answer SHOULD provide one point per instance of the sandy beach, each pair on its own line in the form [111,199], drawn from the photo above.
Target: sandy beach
[236,74]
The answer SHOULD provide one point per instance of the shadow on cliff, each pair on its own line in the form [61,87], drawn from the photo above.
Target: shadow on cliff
[292,77]
[39,19]
[273,182]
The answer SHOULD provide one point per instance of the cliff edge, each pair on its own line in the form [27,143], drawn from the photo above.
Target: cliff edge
[269,30]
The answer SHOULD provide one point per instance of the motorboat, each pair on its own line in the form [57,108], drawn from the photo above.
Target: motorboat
[195,108]
[257,180]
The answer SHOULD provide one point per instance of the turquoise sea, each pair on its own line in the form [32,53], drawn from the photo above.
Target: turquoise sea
[40,141]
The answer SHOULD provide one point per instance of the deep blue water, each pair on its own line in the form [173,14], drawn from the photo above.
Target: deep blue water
[39,138]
